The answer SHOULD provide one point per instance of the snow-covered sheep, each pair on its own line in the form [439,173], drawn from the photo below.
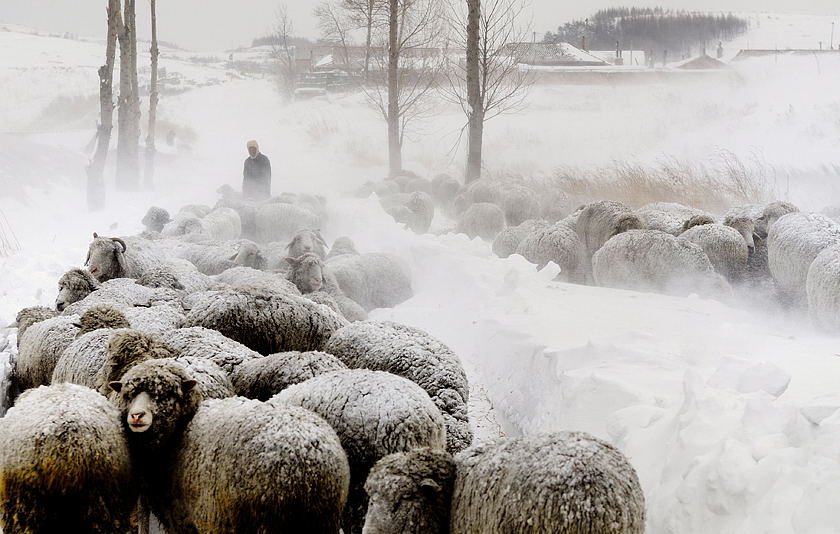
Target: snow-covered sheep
[112,257]
[601,220]
[401,214]
[156,319]
[414,354]
[375,414]
[418,184]
[564,482]
[199,210]
[64,464]
[342,245]
[247,210]
[422,209]
[123,293]
[73,286]
[823,289]
[83,362]
[444,190]
[155,219]
[182,224]
[650,260]
[508,239]
[177,274]
[558,243]
[266,321]
[661,220]
[793,243]
[482,219]
[307,240]
[372,280]
[772,212]
[745,226]
[101,316]
[262,378]
[29,316]
[244,277]
[681,211]
[211,345]
[309,274]
[222,224]
[282,468]
[40,347]
[519,204]
[724,246]
[127,348]
[277,221]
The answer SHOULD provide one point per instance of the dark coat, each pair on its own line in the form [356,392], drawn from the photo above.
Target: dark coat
[256,178]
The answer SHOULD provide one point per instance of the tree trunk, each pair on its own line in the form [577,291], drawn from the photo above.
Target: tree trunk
[475,100]
[128,142]
[368,39]
[149,171]
[394,148]
[96,168]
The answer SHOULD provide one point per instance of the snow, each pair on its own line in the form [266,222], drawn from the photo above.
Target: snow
[730,414]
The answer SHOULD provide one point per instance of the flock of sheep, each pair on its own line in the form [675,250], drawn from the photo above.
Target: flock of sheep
[219,371]
[765,252]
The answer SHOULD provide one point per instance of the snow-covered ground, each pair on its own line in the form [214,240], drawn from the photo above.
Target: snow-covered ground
[729,414]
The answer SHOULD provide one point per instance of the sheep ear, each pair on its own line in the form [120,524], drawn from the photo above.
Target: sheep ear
[188,385]
[429,486]
[294,262]
[95,235]
[116,386]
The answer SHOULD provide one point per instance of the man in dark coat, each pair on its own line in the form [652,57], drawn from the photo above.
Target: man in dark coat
[256,177]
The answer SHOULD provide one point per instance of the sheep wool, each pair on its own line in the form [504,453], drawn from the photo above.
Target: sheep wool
[558,243]
[482,219]
[209,344]
[823,289]
[262,378]
[73,286]
[40,348]
[508,239]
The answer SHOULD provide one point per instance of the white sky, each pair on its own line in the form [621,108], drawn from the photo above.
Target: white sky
[222,24]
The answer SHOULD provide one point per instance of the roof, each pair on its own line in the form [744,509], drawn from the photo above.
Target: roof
[702,62]
[561,54]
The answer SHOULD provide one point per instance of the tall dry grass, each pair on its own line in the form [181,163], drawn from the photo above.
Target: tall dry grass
[9,243]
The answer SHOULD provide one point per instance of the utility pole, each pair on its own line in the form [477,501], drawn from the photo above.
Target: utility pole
[832,36]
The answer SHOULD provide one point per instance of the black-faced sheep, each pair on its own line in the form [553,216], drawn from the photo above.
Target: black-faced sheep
[205,467]
[262,378]
[414,354]
[374,414]
[64,464]
[266,321]
[73,286]
[564,482]
[558,243]
[482,219]
[372,280]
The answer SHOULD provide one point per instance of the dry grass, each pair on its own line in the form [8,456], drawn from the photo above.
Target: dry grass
[8,241]
[714,186]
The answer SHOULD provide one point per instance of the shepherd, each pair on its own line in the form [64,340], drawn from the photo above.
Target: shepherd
[256,176]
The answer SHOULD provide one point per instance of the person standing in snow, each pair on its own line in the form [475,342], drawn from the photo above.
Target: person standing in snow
[256,176]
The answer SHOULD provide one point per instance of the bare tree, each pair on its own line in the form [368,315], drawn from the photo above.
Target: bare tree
[128,143]
[369,16]
[413,65]
[284,51]
[96,168]
[335,26]
[490,82]
[149,171]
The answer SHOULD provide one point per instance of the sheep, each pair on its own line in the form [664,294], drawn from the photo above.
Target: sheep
[724,246]
[599,221]
[199,210]
[155,219]
[111,257]
[392,201]
[64,464]
[418,184]
[73,286]
[379,188]
[243,277]
[794,241]
[29,316]
[307,240]
[182,224]
[520,203]
[508,239]
[262,378]
[123,293]
[127,348]
[266,321]
[422,210]
[214,257]
[211,345]
[374,414]
[679,210]
[562,482]
[558,243]
[156,319]
[83,362]
[247,210]
[222,224]
[204,467]
[661,220]
[482,219]
[342,245]
[745,226]
[101,316]
[650,260]
[555,205]
[310,275]
[40,347]
[772,212]
[414,354]
[822,287]
[445,189]
[401,214]
[279,221]
[697,220]
[372,280]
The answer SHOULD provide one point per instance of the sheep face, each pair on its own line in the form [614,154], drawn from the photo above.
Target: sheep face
[307,273]
[410,493]
[73,286]
[106,258]
[307,241]
[746,227]
[156,400]
[249,255]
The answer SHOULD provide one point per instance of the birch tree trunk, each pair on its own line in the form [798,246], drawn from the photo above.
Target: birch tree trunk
[96,168]
[394,147]
[475,99]
[128,120]
[149,171]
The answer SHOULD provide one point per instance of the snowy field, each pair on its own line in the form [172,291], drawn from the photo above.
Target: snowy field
[728,413]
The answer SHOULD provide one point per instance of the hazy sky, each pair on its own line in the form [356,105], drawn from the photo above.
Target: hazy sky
[221,24]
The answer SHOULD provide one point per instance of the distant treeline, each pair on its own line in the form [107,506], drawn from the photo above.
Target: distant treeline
[650,29]
[269,40]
